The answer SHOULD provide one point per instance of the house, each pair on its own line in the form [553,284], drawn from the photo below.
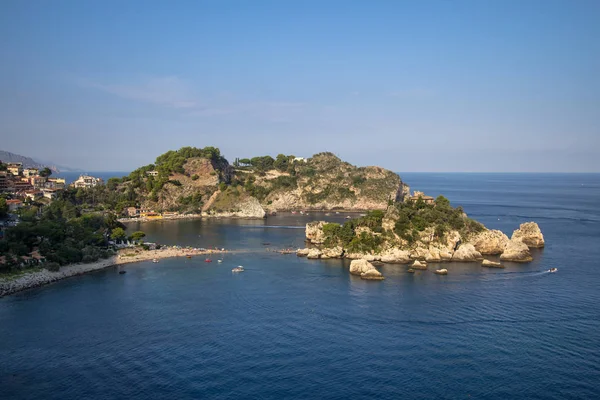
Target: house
[34,194]
[37,181]
[152,173]
[49,193]
[15,169]
[86,181]
[20,185]
[14,205]
[28,172]
[420,195]
[3,181]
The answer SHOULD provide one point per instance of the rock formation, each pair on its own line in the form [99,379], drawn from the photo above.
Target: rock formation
[314,232]
[491,264]
[419,265]
[466,253]
[530,234]
[302,252]
[314,253]
[490,242]
[516,251]
[365,270]
[442,271]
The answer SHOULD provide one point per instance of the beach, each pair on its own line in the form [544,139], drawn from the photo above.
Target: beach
[42,277]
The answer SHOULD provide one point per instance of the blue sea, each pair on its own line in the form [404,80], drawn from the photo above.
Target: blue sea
[106,175]
[292,328]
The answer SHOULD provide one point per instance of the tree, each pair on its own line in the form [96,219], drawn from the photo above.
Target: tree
[137,236]
[46,172]
[117,234]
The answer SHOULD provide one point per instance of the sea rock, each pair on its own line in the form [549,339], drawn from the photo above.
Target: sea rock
[314,232]
[395,256]
[433,255]
[419,265]
[371,257]
[530,234]
[516,251]
[333,252]
[442,271]
[372,274]
[302,252]
[410,271]
[491,264]
[357,267]
[314,253]
[467,253]
[490,242]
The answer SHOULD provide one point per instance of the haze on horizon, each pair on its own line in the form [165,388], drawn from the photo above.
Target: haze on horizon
[507,86]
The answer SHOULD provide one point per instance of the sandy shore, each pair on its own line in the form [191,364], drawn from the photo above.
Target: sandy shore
[124,256]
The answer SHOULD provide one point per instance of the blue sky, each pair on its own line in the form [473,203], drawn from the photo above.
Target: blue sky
[411,86]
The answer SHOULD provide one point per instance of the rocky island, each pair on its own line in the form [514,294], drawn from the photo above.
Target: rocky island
[201,182]
[417,231]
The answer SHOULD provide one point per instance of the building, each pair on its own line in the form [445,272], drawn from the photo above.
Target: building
[86,181]
[55,183]
[22,184]
[38,181]
[28,172]
[152,173]
[420,195]
[15,169]
[49,193]
[3,181]
[299,159]
[131,212]
[34,194]
[14,205]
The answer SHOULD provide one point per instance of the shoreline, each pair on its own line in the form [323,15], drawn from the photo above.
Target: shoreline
[33,279]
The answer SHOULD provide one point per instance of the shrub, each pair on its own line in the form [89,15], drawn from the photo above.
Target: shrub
[52,266]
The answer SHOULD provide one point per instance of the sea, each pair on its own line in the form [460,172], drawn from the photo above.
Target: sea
[293,328]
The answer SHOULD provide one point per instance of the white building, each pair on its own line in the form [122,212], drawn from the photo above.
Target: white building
[86,181]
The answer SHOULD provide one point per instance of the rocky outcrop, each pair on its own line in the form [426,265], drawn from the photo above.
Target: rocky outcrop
[530,234]
[302,252]
[490,242]
[442,271]
[372,275]
[233,203]
[314,254]
[516,251]
[467,253]
[333,252]
[365,270]
[491,264]
[419,265]
[395,256]
[314,232]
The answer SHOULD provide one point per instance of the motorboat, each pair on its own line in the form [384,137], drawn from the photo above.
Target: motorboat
[189,256]
[553,270]
[239,268]
[155,260]
[442,271]
[219,261]
[207,260]
[122,272]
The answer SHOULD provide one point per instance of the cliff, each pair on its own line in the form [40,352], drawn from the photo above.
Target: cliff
[414,230]
[192,180]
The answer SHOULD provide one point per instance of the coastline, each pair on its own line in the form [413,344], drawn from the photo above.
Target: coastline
[33,279]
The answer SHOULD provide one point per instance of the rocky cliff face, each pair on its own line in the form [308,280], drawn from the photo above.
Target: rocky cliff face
[453,246]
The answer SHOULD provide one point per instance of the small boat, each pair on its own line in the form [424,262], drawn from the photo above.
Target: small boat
[293,212]
[348,217]
[219,261]
[122,272]
[207,260]
[553,270]
[189,256]
[239,268]
[337,212]
[155,260]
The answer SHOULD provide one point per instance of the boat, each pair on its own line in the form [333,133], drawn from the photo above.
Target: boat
[442,271]
[348,217]
[239,268]
[122,272]
[553,270]
[189,256]
[155,260]
[219,261]
[207,260]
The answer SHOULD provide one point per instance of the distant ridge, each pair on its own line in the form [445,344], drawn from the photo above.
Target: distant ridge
[6,156]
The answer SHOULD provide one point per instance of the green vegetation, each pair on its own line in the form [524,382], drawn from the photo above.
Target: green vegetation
[60,235]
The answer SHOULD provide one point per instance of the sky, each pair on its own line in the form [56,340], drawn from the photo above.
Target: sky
[448,86]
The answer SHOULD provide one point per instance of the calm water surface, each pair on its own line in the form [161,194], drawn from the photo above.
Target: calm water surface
[290,327]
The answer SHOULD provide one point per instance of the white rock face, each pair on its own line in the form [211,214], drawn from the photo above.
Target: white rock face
[442,271]
[419,265]
[373,275]
[314,253]
[491,264]
[365,270]
[467,253]
[247,208]
[395,256]
[530,234]
[314,232]
[490,242]
[334,252]
[516,251]
[302,252]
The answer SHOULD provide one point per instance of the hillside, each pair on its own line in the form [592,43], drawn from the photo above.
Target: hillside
[28,162]
[192,180]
